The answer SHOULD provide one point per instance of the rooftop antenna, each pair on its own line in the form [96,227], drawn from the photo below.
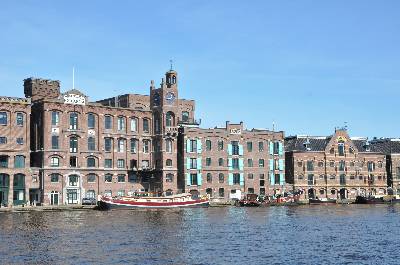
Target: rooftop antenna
[73,77]
[170,62]
[273,126]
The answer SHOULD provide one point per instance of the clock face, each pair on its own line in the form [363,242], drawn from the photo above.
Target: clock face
[156,99]
[170,97]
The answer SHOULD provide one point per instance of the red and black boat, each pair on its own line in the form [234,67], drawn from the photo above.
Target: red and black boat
[173,201]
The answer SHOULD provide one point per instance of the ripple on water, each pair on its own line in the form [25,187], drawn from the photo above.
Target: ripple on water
[343,234]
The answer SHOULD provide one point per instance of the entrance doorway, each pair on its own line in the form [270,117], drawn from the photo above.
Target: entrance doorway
[343,194]
[311,193]
[72,196]
[54,198]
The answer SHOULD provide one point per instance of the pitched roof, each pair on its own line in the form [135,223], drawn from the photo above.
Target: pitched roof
[300,143]
[386,145]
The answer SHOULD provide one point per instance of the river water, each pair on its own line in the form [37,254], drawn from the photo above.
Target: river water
[342,234]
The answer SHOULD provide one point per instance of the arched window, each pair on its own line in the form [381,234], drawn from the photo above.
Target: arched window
[73,121]
[169,119]
[91,194]
[73,180]
[91,162]
[91,121]
[121,123]
[221,162]
[108,178]
[209,192]
[91,178]
[168,146]
[55,177]
[146,146]
[168,163]
[221,192]
[54,161]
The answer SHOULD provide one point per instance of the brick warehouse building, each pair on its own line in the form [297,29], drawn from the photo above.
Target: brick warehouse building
[226,162]
[56,148]
[336,167]
[18,181]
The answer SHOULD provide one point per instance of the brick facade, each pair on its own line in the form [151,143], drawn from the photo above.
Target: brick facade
[336,167]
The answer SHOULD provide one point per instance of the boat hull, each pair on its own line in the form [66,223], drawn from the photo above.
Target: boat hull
[318,201]
[111,204]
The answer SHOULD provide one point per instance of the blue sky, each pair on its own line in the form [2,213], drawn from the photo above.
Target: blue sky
[308,66]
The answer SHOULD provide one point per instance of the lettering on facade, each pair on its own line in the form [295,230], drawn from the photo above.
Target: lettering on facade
[236,131]
[74,99]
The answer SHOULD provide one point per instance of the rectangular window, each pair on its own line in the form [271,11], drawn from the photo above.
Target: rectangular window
[107,144]
[250,162]
[73,121]
[208,145]
[121,145]
[55,118]
[91,144]
[133,177]
[3,161]
[108,163]
[168,146]
[146,127]
[342,165]
[249,146]
[121,178]
[342,179]
[310,179]
[260,146]
[108,122]
[193,163]
[193,146]
[276,148]
[54,142]
[108,178]
[235,147]
[121,163]
[235,163]
[236,179]
[310,165]
[250,176]
[19,161]
[91,121]
[73,161]
[220,145]
[133,146]
[261,163]
[20,119]
[193,179]
[121,123]
[341,149]
[133,125]
[146,146]
[20,140]
[371,166]
[91,162]
[208,161]
[3,140]
[3,118]
[73,145]
[145,163]
[277,179]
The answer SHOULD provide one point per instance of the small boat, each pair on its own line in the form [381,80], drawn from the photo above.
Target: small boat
[251,200]
[173,201]
[321,201]
[368,200]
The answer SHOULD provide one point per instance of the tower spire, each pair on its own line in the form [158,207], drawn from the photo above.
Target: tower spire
[170,62]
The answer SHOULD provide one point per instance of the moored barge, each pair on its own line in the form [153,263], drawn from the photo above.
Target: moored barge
[173,201]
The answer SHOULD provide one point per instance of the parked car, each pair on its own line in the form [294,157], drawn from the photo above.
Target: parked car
[89,201]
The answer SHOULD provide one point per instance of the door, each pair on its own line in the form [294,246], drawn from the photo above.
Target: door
[343,194]
[72,196]
[3,197]
[54,198]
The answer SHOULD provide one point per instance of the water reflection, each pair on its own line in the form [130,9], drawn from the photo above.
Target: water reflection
[275,235]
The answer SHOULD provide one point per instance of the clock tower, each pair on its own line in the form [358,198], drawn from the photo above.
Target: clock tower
[165,107]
